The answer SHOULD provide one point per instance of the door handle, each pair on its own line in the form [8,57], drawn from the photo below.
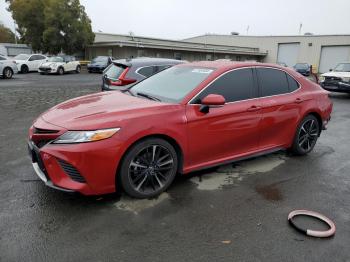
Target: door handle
[298,100]
[254,108]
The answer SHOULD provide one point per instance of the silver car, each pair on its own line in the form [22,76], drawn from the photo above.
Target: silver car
[7,67]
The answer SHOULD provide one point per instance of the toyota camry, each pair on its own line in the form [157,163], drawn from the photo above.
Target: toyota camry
[188,117]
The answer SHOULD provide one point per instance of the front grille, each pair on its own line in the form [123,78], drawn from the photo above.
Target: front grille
[71,171]
[45,69]
[44,131]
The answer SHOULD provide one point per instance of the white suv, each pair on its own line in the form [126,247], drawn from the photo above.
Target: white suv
[27,63]
[338,79]
[60,65]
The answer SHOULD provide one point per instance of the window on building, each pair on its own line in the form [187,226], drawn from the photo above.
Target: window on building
[234,86]
[272,81]
[178,56]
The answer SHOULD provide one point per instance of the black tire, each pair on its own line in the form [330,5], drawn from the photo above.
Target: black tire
[78,69]
[148,168]
[7,73]
[60,71]
[306,136]
[24,69]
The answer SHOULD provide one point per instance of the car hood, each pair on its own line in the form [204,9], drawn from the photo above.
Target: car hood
[102,110]
[98,64]
[337,74]
[48,64]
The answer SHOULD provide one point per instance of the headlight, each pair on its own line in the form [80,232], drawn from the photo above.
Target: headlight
[71,137]
[53,65]
[346,79]
[321,78]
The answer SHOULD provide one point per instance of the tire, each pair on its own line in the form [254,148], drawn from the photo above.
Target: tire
[78,69]
[24,69]
[148,168]
[60,71]
[7,73]
[306,136]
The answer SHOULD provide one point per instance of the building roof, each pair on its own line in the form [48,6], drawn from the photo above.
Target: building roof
[104,39]
[263,36]
[14,45]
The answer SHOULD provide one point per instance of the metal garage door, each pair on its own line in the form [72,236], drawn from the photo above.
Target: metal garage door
[288,53]
[332,55]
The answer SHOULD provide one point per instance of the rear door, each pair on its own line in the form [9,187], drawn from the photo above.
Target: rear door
[228,131]
[281,102]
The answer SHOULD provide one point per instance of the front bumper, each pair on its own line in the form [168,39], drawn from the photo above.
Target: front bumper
[88,168]
[336,86]
[95,69]
[47,70]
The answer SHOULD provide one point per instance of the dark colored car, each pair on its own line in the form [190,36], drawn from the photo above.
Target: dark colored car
[303,68]
[121,74]
[99,64]
[185,118]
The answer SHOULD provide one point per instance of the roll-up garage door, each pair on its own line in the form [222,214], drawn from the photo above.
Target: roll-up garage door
[332,55]
[288,53]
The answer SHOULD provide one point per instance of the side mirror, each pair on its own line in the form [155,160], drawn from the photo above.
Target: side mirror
[211,101]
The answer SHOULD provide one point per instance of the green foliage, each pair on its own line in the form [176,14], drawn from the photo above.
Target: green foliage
[52,26]
[6,35]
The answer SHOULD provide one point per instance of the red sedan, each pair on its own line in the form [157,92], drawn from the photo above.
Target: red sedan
[189,117]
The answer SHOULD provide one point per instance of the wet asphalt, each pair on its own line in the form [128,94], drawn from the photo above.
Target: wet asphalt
[236,212]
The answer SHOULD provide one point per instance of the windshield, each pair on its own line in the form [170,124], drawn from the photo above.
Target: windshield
[55,59]
[301,66]
[173,84]
[21,57]
[100,59]
[342,67]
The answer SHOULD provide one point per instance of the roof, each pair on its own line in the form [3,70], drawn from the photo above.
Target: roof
[104,39]
[148,61]
[14,45]
[265,36]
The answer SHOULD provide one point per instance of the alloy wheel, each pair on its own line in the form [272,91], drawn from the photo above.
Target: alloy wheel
[308,135]
[8,73]
[150,169]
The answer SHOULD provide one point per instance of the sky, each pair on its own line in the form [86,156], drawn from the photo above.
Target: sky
[179,19]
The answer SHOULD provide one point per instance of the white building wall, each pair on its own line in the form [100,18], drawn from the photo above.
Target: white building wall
[308,54]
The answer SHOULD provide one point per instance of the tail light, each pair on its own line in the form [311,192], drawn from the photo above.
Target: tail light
[122,80]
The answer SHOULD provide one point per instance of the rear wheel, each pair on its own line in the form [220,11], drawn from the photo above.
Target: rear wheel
[7,73]
[148,168]
[24,69]
[306,136]
[78,69]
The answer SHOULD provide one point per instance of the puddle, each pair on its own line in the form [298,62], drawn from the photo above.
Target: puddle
[270,192]
[137,205]
[236,172]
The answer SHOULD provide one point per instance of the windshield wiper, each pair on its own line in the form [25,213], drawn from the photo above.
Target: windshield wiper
[148,96]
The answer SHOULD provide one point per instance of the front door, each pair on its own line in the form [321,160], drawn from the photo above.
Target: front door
[229,131]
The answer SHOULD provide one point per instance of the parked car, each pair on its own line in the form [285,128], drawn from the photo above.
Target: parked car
[7,67]
[27,63]
[303,68]
[99,64]
[60,65]
[337,80]
[185,118]
[121,74]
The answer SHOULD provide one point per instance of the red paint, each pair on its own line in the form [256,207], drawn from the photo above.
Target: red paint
[226,133]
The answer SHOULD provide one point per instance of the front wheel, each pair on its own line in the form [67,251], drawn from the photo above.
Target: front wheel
[24,69]
[148,168]
[60,71]
[7,73]
[78,69]
[306,136]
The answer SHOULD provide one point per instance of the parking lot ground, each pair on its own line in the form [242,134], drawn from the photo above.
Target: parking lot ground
[236,212]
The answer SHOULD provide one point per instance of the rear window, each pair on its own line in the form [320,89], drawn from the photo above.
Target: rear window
[114,71]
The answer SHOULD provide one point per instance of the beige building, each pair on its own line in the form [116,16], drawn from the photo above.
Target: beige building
[128,46]
[322,51]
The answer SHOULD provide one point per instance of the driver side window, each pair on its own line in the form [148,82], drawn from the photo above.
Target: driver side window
[234,86]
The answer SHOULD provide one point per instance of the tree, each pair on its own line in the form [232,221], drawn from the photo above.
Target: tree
[52,26]
[6,35]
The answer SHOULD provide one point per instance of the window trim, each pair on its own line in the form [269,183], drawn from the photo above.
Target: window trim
[256,83]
